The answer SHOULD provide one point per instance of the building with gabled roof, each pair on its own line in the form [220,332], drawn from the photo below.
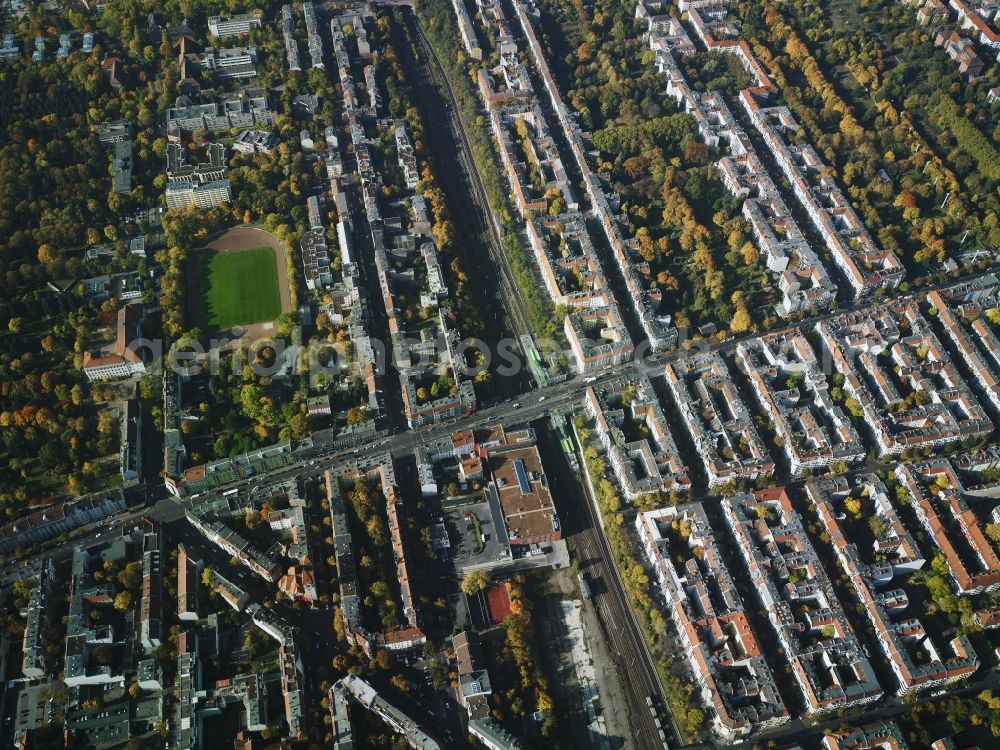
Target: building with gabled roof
[731,674]
[911,393]
[598,338]
[313,40]
[826,656]
[634,432]
[410,635]
[646,299]
[878,571]
[189,569]
[866,266]
[798,272]
[248,689]
[719,423]
[466,30]
[288,35]
[568,263]
[355,688]
[883,735]
[975,16]
[963,312]
[263,563]
[939,504]
[125,359]
[33,662]
[792,389]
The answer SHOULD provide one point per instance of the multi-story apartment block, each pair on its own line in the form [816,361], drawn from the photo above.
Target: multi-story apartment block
[800,276]
[121,167]
[571,271]
[634,433]
[248,689]
[814,432]
[975,16]
[354,688]
[264,564]
[228,63]
[151,601]
[882,735]
[864,265]
[246,108]
[290,667]
[955,528]
[473,693]
[932,13]
[965,314]
[114,131]
[718,421]
[204,185]
[359,632]
[826,656]
[241,23]
[894,366]
[598,338]
[433,380]
[130,453]
[9,47]
[711,24]
[33,662]
[506,83]
[255,142]
[878,570]
[187,727]
[980,460]
[530,158]
[299,581]
[121,286]
[961,50]
[466,30]
[313,38]
[646,299]
[231,593]
[732,675]
[83,633]
[423,361]
[288,35]
[361,37]
[406,157]
[567,261]
[316,266]
[52,521]
[189,569]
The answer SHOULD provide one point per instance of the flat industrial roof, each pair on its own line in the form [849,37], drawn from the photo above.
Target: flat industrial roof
[523,491]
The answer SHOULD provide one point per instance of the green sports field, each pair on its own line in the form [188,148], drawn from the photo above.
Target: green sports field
[239,287]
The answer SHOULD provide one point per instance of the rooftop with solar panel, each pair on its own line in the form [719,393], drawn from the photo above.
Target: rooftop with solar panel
[521,489]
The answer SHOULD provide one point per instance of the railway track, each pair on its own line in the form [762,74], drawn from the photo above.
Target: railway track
[632,658]
[489,229]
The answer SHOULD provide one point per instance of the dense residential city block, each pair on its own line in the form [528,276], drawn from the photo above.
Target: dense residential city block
[502,374]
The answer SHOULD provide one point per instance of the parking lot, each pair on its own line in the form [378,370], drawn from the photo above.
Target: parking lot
[461,518]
